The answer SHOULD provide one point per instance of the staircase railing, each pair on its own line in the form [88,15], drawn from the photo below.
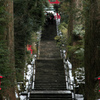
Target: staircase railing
[68,74]
[33,77]
[30,85]
[31,81]
[68,71]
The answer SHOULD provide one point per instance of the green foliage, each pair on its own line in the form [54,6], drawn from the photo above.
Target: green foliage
[64,37]
[58,40]
[78,52]
[80,56]
[2,19]
[64,10]
[61,41]
[96,90]
[67,7]
[29,16]
[72,13]
[34,37]
[78,30]
[62,26]
[5,69]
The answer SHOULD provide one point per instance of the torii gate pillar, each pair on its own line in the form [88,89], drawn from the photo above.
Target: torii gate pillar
[0,80]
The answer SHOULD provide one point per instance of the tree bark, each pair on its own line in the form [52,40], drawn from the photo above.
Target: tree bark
[10,44]
[70,24]
[92,51]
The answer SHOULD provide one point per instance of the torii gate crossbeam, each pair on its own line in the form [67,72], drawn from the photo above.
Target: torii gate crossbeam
[55,2]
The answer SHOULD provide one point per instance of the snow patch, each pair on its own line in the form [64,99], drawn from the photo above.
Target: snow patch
[27,77]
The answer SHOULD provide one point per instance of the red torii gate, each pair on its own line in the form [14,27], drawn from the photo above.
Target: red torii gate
[29,48]
[98,78]
[55,2]
[0,80]
[99,82]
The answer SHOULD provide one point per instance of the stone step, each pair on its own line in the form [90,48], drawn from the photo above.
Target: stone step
[49,86]
[40,85]
[51,51]
[60,70]
[50,99]
[51,68]
[53,79]
[51,60]
[43,77]
[50,77]
[50,71]
[49,89]
[49,32]
[47,74]
[48,49]
[48,82]
[50,95]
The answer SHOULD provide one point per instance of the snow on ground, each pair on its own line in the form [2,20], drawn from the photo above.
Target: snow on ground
[79,96]
[27,77]
[69,77]
[29,72]
[16,94]
[22,97]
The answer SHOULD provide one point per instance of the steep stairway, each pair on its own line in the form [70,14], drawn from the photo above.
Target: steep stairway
[48,49]
[49,32]
[50,76]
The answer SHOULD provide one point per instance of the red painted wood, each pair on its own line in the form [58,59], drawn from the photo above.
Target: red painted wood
[99,78]
[29,49]
[56,2]
[1,76]
[0,80]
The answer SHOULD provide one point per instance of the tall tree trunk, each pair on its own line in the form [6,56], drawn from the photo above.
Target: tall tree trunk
[92,50]
[10,43]
[70,24]
[20,31]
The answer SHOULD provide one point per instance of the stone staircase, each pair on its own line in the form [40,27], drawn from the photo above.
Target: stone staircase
[50,76]
[48,49]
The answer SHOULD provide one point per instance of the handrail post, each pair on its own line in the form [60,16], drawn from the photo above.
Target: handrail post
[74,91]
